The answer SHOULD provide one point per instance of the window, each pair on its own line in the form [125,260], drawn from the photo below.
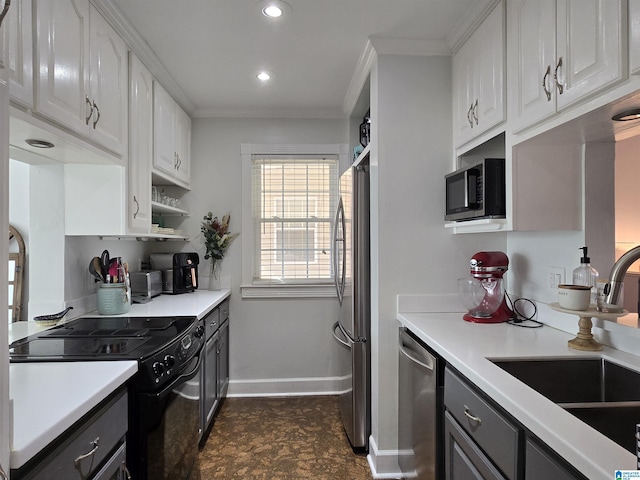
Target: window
[290,201]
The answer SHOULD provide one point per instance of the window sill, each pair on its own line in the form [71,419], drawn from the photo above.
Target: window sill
[288,291]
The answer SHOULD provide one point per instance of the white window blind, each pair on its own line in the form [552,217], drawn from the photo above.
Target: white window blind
[294,199]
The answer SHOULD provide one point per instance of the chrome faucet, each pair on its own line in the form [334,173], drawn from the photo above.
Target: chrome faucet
[612,289]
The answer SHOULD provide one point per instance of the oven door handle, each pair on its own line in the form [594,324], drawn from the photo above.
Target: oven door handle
[181,379]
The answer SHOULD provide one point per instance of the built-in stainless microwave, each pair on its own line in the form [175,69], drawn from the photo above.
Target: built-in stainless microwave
[476,192]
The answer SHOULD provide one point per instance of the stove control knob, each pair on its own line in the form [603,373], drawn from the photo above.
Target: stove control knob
[199,332]
[158,369]
[169,361]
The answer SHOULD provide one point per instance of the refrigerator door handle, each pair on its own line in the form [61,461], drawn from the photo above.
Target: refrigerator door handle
[337,326]
[338,247]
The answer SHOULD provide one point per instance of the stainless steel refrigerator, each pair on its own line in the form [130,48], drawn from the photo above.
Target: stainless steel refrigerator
[352,272]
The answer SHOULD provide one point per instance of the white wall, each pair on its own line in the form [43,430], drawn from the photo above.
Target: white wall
[276,345]
[19,217]
[413,252]
[57,266]
[627,195]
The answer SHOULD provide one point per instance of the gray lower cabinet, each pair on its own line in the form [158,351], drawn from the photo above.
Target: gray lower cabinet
[464,459]
[209,375]
[541,464]
[487,428]
[214,378]
[482,441]
[223,360]
[95,448]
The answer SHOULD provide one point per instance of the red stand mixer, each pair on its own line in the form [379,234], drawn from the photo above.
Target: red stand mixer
[483,293]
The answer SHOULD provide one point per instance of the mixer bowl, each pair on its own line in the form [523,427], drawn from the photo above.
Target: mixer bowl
[481,297]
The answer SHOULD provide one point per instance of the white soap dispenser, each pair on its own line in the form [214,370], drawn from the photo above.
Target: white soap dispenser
[585,274]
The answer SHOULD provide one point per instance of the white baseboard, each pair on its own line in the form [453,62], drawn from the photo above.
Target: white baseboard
[283,387]
[383,463]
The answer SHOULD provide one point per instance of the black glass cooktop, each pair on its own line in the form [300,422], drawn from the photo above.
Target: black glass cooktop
[108,338]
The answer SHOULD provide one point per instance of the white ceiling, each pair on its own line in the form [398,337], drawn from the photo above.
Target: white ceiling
[207,51]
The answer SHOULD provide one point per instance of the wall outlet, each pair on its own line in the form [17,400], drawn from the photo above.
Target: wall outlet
[555,277]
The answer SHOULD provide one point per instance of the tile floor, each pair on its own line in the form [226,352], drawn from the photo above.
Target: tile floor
[280,438]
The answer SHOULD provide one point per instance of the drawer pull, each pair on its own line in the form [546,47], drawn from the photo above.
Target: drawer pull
[94,448]
[467,414]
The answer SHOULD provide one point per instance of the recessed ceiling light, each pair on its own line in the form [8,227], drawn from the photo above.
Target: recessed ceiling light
[628,115]
[264,76]
[37,143]
[274,8]
[272,11]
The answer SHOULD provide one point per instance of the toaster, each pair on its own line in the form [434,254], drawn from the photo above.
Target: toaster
[146,283]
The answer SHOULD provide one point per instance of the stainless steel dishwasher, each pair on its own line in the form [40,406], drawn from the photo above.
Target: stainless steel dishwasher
[419,409]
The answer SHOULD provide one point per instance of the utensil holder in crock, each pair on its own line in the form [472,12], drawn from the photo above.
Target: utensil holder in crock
[113,299]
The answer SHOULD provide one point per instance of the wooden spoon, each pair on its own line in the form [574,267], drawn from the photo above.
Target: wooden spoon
[95,268]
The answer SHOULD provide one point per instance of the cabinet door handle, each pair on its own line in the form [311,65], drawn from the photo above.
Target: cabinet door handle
[94,449]
[555,77]
[475,111]
[179,161]
[3,475]
[467,414]
[137,206]
[545,78]
[175,160]
[95,122]
[5,10]
[90,114]
[469,119]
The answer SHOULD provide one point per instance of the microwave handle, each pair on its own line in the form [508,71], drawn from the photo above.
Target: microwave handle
[471,193]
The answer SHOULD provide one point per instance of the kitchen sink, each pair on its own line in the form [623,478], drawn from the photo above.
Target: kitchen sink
[576,380]
[601,393]
[616,422]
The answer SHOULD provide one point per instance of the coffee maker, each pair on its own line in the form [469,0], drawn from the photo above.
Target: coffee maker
[179,271]
[483,293]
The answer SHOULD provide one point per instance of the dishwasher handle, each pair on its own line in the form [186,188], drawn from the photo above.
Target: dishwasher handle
[427,366]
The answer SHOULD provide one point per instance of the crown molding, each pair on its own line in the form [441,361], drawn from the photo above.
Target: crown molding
[410,46]
[386,46]
[469,23]
[359,78]
[139,46]
[284,113]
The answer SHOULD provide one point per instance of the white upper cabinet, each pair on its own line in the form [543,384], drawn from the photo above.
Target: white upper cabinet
[17,52]
[563,51]
[172,138]
[592,41]
[183,145]
[463,71]
[479,78]
[140,146]
[82,80]
[634,37]
[108,76]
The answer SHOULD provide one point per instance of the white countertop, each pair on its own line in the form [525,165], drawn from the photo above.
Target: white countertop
[197,303]
[467,346]
[47,398]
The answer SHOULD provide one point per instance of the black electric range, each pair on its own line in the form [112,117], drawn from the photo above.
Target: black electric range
[161,345]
